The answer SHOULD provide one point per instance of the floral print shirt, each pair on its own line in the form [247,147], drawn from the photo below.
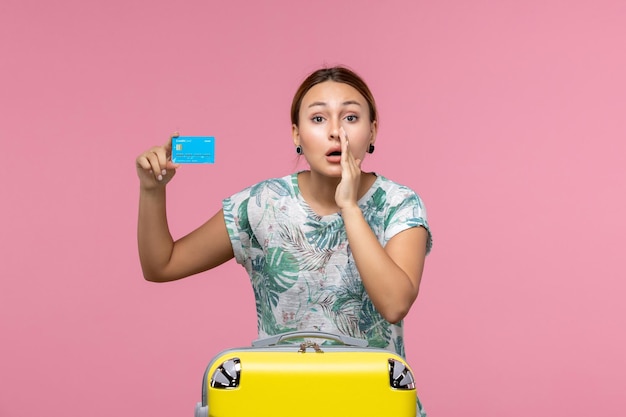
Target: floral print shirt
[300,264]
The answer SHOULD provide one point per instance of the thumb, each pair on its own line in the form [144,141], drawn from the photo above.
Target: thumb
[171,165]
[168,151]
[168,144]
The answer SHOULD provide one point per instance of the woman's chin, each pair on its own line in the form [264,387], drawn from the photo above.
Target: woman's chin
[330,171]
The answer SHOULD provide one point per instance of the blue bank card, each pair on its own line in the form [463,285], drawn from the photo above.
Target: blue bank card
[193,150]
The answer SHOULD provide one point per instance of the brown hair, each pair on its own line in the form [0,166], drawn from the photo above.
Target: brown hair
[338,74]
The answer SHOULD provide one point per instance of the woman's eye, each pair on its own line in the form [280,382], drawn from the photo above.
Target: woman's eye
[317,119]
[352,118]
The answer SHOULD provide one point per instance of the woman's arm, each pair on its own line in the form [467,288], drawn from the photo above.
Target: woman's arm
[162,259]
[391,275]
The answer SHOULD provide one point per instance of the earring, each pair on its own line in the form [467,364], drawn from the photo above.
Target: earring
[299,150]
[370,149]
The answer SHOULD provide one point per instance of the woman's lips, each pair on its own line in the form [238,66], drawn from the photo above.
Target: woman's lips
[334,157]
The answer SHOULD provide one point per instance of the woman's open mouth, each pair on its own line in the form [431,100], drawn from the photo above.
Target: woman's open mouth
[334,157]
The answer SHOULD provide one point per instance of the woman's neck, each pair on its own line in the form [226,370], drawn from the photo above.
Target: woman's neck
[319,191]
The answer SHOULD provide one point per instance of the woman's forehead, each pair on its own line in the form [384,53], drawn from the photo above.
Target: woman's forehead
[332,91]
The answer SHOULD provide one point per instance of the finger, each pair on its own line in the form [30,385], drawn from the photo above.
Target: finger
[157,156]
[343,134]
[171,165]
[343,137]
[143,163]
[345,145]
[157,169]
[161,154]
[168,164]
[348,161]
[168,144]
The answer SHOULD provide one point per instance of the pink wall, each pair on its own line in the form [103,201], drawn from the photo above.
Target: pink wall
[506,116]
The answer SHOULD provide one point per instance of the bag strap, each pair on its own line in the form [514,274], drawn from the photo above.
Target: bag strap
[279,338]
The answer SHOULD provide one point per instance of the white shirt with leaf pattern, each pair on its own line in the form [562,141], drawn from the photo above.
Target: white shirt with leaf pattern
[300,264]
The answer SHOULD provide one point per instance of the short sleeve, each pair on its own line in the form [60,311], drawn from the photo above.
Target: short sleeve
[237,223]
[406,210]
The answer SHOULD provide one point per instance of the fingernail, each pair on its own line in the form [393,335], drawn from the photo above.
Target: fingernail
[160,178]
[163,172]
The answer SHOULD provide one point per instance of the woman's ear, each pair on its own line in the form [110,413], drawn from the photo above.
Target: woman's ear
[373,131]
[295,135]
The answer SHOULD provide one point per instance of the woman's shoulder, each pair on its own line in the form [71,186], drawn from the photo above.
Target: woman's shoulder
[393,188]
[279,186]
[271,188]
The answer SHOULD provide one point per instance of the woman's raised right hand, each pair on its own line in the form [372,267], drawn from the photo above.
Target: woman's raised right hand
[155,167]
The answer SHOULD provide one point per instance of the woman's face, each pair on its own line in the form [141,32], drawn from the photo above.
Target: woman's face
[325,108]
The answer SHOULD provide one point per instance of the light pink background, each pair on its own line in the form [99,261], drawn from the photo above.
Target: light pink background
[508,117]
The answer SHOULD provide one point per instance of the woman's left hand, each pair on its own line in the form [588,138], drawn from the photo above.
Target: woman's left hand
[347,191]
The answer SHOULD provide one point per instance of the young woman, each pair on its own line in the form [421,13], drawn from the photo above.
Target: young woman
[332,249]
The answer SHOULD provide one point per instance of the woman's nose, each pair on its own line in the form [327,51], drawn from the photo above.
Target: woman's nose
[334,129]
